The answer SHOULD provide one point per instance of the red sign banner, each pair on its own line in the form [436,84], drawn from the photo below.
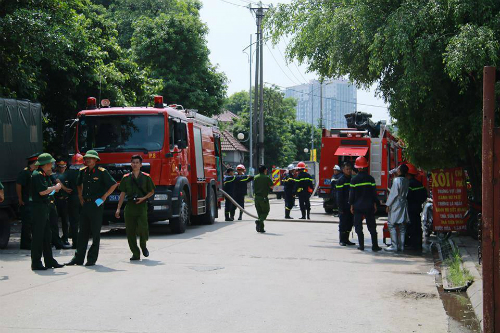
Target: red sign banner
[449,195]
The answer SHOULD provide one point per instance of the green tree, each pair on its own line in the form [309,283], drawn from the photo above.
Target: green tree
[237,102]
[173,48]
[285,138]
[426,56]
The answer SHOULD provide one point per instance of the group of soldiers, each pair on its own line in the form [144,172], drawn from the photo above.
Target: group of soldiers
[76,195]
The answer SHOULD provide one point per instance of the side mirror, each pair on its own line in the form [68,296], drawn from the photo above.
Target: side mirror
[171,154]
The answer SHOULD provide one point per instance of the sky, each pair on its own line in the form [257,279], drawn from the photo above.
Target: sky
[230,25]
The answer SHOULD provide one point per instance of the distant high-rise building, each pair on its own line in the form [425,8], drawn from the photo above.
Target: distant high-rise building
[339,99]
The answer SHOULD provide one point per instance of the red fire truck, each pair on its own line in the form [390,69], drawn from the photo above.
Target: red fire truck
[362,137]
[180,150]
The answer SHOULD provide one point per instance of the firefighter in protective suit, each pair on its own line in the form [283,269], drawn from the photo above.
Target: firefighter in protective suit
[343,187]
[417,195]
[304,189]
[289,185]
[240,189]
[397,207]
[364,201]
[229,181]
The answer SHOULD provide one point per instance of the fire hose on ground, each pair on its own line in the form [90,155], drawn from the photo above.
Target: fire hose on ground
[278,220]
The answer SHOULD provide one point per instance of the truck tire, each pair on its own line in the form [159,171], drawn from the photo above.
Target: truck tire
[4,229]
[328,210]
[178,224]
[209,216]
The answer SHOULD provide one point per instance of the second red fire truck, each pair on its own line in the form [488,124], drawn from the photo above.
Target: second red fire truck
[361,137]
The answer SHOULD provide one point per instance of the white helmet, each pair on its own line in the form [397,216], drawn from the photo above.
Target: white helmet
[290,167]
[240,167]
[336,167]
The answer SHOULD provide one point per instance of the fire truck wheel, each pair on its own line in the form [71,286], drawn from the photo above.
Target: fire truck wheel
[209,216]
[4,229]
[178,225]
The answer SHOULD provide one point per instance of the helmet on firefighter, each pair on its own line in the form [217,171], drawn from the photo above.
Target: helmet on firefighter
[361,163]
[336,167]
[290,167]
[240,167]
[77,159]
[412,170]
[301,165]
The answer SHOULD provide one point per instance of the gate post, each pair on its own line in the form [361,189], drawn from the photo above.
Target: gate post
[489,236]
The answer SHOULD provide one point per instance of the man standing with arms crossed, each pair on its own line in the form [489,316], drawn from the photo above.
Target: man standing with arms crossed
[138,186]
[95,184]
[262,185]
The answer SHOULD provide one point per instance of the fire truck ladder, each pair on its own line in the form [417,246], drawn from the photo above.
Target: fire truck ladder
[376,160]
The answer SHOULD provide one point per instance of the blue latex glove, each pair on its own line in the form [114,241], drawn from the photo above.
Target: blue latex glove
[98,202]
[52,193]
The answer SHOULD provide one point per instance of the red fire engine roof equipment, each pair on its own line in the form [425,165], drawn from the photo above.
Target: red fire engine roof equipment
[351,151]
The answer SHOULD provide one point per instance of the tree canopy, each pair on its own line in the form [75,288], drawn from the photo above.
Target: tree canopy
[60,52]
[426,56]
[285,138]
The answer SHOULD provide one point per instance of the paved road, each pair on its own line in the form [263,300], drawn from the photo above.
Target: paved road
[225,278]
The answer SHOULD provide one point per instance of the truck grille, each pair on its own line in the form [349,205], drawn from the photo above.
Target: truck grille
[117,170]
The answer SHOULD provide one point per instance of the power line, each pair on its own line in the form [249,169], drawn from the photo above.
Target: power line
[286,63]
[277,63]
[331,98]
[234,4]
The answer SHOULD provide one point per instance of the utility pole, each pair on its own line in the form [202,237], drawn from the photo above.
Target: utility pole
[312,118]
[259,86]
[251,115]
[321,104]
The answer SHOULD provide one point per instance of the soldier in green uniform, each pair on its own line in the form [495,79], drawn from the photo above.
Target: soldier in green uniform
[62,198]
[54,217]
[74,205]
[41,189]
[262,185]
[138,186]
[95,184]
[23,185]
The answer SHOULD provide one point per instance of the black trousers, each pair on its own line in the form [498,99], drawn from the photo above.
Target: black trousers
[240,199]
[346,221]
[370,222]
[289,201]
[304,202]
[415,230]
[62,211]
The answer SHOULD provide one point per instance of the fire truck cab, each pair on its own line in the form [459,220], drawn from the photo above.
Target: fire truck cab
[362,137]
[180,150]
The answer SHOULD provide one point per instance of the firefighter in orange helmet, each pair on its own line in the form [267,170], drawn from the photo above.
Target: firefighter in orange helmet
[304,189]
[364,202]
[417,195]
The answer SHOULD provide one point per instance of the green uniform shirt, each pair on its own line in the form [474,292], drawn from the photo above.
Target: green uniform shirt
[63,177]
[96,182]
[261,184]
[24,179]
[136,187]
[39,183]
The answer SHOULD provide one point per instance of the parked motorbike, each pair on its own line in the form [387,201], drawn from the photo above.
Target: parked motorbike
[428,222]
[472,217]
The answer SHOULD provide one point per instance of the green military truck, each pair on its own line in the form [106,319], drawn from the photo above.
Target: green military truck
[20,136]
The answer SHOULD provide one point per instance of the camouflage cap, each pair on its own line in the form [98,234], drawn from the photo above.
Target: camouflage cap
[92,154]
[45,158]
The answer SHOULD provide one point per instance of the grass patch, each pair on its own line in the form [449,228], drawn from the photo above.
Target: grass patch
[456,275]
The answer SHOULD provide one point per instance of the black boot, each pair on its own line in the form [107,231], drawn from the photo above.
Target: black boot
[342,239]
[241,215]
[346,239]
[361,241]
[232,215]
[308,214]
[227,216]
[303,211]
[375,247]
[287,214]
[257,225]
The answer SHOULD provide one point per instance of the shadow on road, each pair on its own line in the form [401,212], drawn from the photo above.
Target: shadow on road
[147,262]
[104,269]
[50,272]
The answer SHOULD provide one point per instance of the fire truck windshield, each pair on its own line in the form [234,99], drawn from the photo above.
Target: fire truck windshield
[117,133]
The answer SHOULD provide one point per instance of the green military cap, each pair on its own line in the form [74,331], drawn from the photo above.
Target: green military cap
[45,158]
[92,154]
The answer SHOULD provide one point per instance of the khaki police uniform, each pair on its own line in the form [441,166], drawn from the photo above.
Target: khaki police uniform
[136,215]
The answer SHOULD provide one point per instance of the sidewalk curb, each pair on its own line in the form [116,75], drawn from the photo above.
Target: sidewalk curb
[475,291]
